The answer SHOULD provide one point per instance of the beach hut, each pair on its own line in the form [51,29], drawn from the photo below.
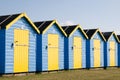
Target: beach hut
[94,48]
[50,46]
[17,44]
[111,49]
[74,47]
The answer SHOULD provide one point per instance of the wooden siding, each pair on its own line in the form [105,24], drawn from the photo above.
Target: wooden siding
[2,51]
[39,57]
[118,55]
[22,23]
[69,53]
[105,54]
[42,49]
[88,48]
[66,53]
[107,47]
[91,53]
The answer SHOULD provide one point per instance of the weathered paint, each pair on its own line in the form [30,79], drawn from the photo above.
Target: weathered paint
[69,52]
[8,51]
[90,51]
[42,49]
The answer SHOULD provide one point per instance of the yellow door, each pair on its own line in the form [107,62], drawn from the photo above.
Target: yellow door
[21,41]
[112,53]
[77,52]
[96,53]
[53,52]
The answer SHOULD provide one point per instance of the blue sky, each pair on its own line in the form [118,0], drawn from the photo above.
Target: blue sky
[103,14]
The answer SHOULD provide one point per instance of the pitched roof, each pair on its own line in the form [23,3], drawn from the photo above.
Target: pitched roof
[69,29]
[107,35]
[7,20]
[44,25]
[90,32]
[72,28]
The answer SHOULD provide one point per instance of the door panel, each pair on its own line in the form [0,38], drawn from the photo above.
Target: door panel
[112,53]
[96,53]
[77,52]
[21,43]
[53,52]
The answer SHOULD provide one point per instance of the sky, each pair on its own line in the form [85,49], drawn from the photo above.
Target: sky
[102,14]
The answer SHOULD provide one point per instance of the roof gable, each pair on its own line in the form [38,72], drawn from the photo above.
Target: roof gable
[8,20]
[91,32]
[108,35]
[43,26]
[69,29]
[72,28]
